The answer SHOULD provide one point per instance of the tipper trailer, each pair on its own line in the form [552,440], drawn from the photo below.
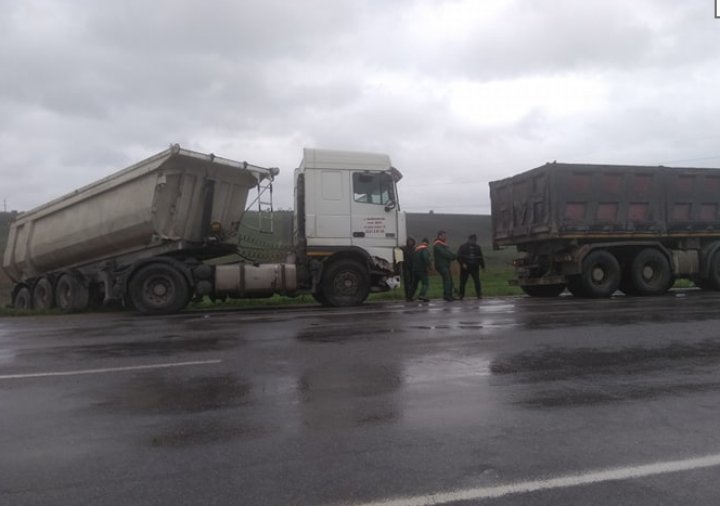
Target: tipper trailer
[594,229]
[144,235]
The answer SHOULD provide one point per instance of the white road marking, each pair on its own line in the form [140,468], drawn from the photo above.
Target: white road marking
[573,480]
[107,370]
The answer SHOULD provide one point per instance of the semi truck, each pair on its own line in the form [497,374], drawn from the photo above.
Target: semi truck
[594,229]
[150,236]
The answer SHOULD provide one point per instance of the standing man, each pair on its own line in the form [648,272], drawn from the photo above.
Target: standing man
[443,258]
[407,268]
[471,260]
[421,266]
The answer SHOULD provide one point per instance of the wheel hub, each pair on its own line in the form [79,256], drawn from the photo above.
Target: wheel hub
[598,274]
[347,284]
[648,273]
[159,290]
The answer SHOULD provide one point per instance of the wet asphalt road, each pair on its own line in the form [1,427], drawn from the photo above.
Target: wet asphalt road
[507,401]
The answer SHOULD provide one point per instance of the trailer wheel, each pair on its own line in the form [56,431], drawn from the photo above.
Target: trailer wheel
[23,298]
[600,275]
[159,289]
[650,272]
[43,296]
[543,290]
[71,294]
[345,283]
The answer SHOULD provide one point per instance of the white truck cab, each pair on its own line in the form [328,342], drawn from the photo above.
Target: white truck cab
[347,209]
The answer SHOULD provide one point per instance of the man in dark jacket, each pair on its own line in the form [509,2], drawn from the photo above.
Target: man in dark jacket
[421,266]
[471,260]
[443,258]
[407,268]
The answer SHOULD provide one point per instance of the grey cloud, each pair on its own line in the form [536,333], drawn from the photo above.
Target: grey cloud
[95,86]
[531,38]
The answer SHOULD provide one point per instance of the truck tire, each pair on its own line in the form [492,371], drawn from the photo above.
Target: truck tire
[71,294]
[600,274]
[345,283]
[158,289]
[23,298]
[650,272]
[713,280]
[319,296]
[43,296]
[543,290]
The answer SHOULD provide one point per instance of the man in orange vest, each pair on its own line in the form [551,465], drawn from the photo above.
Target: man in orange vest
[421,266]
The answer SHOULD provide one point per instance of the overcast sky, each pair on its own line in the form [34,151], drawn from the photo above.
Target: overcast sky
[458,93]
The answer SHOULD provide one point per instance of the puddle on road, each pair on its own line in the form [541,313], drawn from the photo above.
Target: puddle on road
[563,363]
[152,395]
[6,357]
[444,367]
[341,333]
[165,345]
[349,380]
[447,326]
[612,393]
[190,433]
[560,377]
[344,395]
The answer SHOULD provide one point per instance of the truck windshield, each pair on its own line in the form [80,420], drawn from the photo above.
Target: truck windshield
[373,188]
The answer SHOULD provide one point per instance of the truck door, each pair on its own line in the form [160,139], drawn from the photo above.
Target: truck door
[374,210]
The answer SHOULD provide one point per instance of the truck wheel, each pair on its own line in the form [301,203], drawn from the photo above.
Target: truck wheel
[543,290]
[159,289]
[71,294]
[713,280]
[43,295]
[600,275]
[345,283]
[650,272]
[319,296]
[23,298]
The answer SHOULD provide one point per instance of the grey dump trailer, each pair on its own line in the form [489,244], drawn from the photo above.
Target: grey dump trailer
[144,235]
[594,229]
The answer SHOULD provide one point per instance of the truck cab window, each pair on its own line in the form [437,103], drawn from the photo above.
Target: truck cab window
[375,188]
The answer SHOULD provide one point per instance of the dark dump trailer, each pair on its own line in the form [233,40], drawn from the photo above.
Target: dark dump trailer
[594,229]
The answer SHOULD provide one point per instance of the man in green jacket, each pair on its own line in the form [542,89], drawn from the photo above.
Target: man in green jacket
[421,266]
[443,258]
